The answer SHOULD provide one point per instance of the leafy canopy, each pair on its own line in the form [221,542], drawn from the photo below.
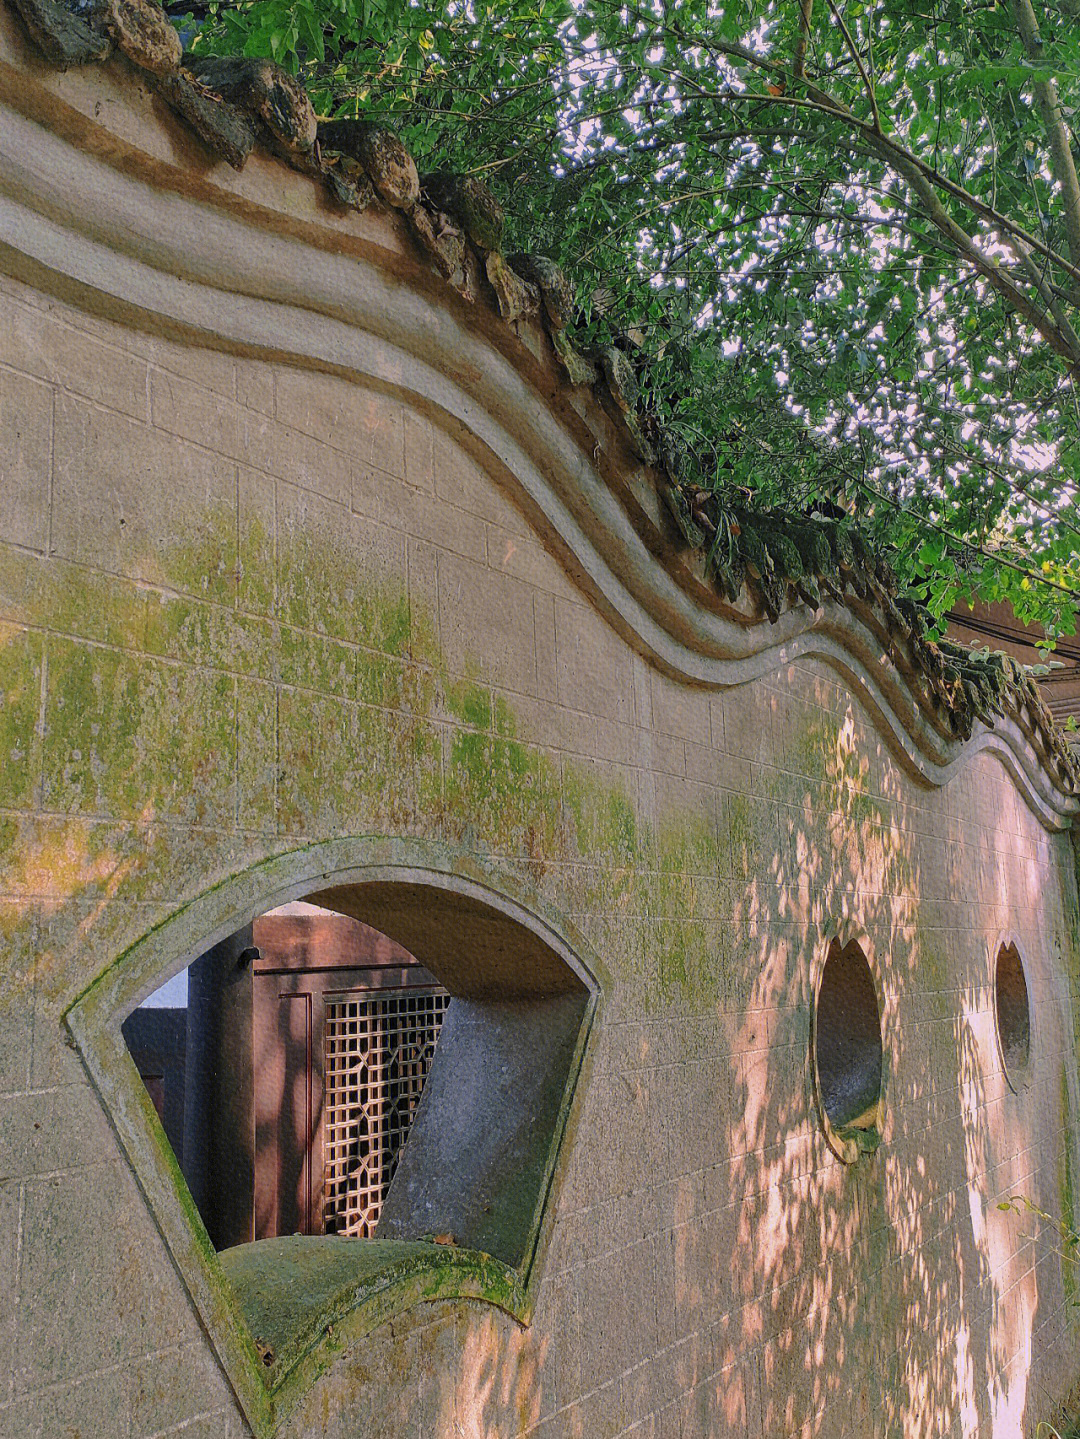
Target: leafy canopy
[841,240]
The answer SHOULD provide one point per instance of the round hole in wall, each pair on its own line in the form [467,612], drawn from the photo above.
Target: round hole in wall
[1012,1013]
[847,1052]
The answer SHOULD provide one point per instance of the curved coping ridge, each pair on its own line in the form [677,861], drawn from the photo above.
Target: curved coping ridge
[335,1290]
[114,229]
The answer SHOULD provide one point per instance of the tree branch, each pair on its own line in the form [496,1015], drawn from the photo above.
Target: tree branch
[991,271]
[1046,98]
[995,556]
[849,41]
[1046,290]
[887,147]
[798,63]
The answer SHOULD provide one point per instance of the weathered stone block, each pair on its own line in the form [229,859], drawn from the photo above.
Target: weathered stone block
[593,666]
[482,615]
[25,460]
[194,413]
[137,738]
[365,425]
[166,513]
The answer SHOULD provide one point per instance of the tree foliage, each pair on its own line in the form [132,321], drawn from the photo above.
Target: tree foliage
[840,240]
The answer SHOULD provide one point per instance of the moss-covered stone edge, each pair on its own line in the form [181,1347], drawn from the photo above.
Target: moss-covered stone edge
[411,1273]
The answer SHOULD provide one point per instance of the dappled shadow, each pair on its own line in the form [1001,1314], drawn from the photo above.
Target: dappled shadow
[887,1296]
[715,1268]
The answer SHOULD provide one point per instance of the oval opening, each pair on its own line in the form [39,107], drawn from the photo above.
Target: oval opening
[848,1049]
[1012,1011]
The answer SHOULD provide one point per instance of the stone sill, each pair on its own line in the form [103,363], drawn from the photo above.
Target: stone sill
[306,1297]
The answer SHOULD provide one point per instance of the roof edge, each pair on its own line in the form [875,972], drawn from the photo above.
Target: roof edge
[109,202]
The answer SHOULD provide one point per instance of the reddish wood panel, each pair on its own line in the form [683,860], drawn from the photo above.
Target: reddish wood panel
[304,961]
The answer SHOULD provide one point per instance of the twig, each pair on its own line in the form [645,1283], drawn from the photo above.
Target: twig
[849,41]
[1046,98]
[798,63]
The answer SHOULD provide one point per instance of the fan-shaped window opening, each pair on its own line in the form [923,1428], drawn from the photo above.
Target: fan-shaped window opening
[847,1051]
[365,1093]
[286,1066]
[1012,1013]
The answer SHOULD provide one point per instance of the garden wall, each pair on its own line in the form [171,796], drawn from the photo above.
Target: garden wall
[303,554]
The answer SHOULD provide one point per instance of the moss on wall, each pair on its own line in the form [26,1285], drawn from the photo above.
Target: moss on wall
[222,718]
[186,729]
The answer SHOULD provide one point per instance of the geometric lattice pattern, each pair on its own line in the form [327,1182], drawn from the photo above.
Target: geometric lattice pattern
[378,1051]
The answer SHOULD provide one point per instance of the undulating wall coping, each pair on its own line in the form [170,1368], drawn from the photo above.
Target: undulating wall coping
[111,202]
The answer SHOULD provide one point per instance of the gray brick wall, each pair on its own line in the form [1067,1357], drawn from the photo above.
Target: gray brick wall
[243,608]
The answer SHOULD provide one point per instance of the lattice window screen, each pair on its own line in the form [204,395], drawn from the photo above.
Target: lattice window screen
[378,1051]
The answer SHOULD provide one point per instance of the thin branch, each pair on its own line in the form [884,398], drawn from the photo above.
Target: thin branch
[1046,98]
[994,555]
[1011,483]
[798,63]
[1047,291]
[1058,341]
[887,147]
[850,43]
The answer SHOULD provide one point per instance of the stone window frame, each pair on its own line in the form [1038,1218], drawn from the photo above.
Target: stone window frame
[1019,1079]
[845,1148]
[93,1022]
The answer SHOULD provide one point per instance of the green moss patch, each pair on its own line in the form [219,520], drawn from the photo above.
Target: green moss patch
[302,1292]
